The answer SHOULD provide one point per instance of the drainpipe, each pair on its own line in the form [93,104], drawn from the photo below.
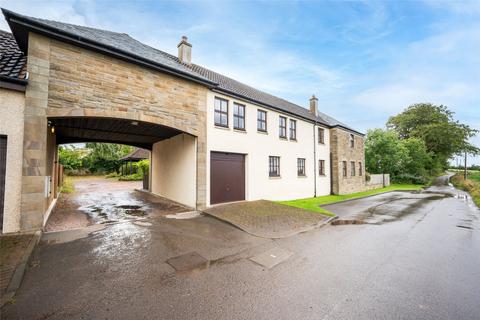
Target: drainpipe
[314,161]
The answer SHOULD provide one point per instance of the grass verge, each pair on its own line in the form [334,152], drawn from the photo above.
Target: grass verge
[471,185]
[314,204]
[67,186]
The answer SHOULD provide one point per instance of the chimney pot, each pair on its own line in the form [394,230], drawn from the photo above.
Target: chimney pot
[185,50]
[314,105]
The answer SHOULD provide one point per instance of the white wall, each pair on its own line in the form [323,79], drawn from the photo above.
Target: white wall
[259,146]
[12,104]
[174,169]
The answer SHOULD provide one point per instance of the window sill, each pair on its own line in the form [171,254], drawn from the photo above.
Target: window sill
[240,130]
[301,176]
[283,138]
[293,140]
[322,175]
[262,131]
[274,177]
[322,143]
[222,127]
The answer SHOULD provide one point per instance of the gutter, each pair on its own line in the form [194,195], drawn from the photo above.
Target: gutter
[13,83]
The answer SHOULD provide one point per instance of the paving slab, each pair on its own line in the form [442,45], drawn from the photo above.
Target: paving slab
[272,257]
[267,219]
[188,261]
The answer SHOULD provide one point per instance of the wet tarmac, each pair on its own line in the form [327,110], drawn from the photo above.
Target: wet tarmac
[97,200]
[420,266]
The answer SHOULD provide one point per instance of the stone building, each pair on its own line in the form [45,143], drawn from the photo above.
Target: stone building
[212,139]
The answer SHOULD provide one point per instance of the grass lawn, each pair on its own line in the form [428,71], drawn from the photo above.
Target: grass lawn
[313,204]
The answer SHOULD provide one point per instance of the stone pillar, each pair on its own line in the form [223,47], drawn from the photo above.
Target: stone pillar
[33,205]
[202,155]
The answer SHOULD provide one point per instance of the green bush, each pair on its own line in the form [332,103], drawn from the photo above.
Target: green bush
[410,179]
[144,166]
[112,175]
[132,177]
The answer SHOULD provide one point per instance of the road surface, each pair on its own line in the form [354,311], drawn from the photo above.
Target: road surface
[423,265]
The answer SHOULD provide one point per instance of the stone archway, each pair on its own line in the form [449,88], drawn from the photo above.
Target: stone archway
[66,81]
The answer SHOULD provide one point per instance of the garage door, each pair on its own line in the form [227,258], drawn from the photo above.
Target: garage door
[227,177]
[3,164]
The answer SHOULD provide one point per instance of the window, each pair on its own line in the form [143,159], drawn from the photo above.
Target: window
[301,166]
[360,169]
[352,168]
[321,135]
[262,120]
[274,166]
[293,129]
[238,116]
[221,112]
[321,167]
[282,127]
[352,141]
[344,168]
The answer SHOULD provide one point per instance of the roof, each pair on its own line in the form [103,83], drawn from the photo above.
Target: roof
[136,155]
[118,44]
[122,44]
[13,63]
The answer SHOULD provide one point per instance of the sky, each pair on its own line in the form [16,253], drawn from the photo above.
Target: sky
[364,60]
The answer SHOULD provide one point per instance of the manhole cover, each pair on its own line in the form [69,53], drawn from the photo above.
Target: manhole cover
[272,257]
[187,262]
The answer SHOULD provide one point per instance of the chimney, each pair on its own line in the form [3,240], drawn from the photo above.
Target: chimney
[185,51]
[314,105]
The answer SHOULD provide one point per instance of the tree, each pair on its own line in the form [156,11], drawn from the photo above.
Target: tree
[419,160]
[70,158]
[442,135]
[384,152]
[106,156]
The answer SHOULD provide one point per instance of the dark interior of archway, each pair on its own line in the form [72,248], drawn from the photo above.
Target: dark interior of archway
[94,129]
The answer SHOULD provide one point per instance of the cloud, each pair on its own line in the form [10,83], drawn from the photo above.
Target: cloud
[364,60]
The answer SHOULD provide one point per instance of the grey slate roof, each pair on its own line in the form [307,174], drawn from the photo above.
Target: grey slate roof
[114,40]
[12,61]
[124,43]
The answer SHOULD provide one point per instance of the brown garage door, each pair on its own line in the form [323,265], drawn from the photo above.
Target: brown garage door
[227,177]
[3,165]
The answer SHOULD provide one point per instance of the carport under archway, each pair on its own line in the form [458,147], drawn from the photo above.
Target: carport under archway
[173,152]
[114,130]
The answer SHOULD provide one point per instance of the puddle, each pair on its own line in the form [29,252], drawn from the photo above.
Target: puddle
[109,211]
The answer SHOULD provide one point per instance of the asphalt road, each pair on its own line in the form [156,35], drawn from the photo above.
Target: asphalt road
[423,265]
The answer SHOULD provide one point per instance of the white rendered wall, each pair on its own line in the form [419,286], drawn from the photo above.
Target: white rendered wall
[11,125]
[174,169]
[259,146]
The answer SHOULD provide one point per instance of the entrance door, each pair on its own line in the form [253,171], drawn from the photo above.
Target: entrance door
[227,177]
[3,165]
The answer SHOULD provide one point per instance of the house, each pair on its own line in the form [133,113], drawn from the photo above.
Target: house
[212,139]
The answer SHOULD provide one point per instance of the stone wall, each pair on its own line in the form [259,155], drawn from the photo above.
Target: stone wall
[66,80]
[342,151]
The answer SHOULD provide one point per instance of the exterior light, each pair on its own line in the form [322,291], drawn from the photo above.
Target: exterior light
[52,129]
[134,123]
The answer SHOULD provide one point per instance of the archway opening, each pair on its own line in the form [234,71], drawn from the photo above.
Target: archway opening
[125,190]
